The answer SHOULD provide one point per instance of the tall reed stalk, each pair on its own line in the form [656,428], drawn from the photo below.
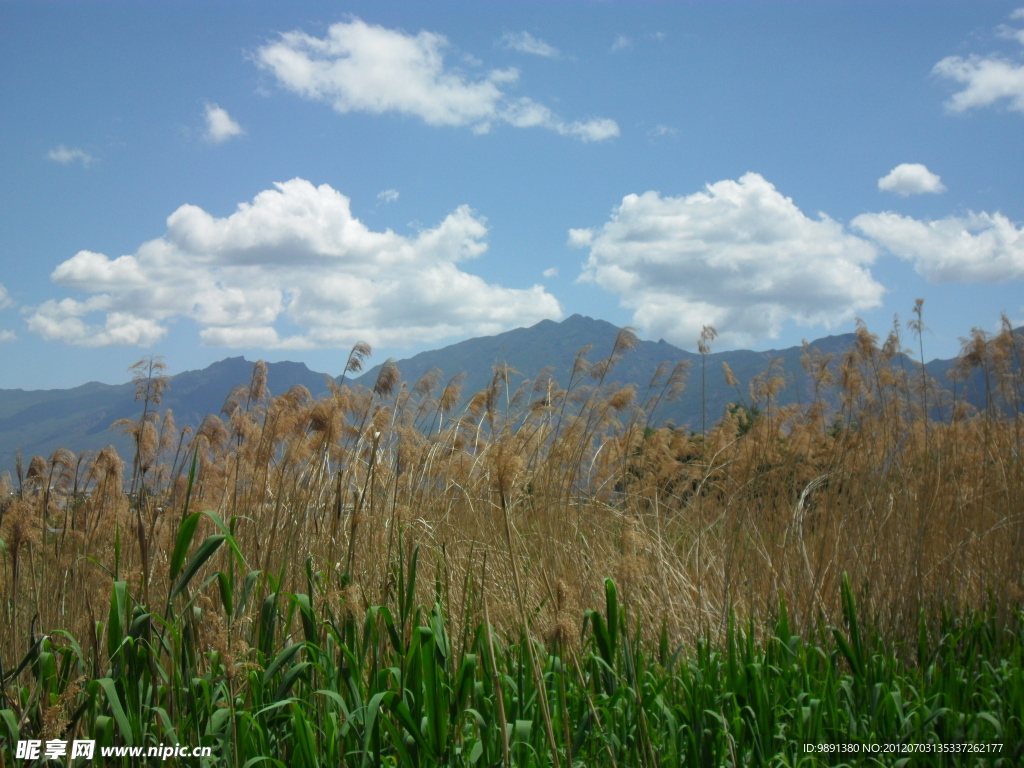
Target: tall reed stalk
[836,569]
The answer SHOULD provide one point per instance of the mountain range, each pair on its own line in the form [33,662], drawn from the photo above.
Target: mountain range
[39,421]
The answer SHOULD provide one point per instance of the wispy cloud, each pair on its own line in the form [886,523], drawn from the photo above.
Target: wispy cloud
[220,126]
[68,155]
[359,67]
[662,130]
[550,272]
[1011,33]
[579,238]
[621,43]
[388,195]
[5,302]
[524,42]
[987,80]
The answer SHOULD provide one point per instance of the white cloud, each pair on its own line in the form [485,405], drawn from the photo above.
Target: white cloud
[5,302]
[979,247]
[551,272]
[524,42]
[911,179]
[525,113]
[294,256]
[1011,33]
[580,238]
[63,321]
[738,255]
[360,67]
[68,155]
[987,79]
[621,43]
[219,125]
[388,195]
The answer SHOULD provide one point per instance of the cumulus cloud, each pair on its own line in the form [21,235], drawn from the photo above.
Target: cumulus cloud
[388,195]
[359,67]
[63,321]
[738,255]
[551,272]
[8,336]
[219,125]
[524,42]
[979,247]
[911,179]
[68,155]
[297,257]
[986,79]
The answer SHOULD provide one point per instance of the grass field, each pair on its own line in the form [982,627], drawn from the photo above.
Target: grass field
[404,576]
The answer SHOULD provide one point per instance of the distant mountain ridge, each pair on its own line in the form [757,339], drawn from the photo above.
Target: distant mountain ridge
[529,350]
[39,421]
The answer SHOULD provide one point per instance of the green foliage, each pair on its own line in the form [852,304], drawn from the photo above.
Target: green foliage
[323,685]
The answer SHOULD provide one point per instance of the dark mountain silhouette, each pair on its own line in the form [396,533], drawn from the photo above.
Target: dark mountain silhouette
[39,421]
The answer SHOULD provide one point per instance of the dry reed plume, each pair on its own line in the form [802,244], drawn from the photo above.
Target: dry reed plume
[881,473]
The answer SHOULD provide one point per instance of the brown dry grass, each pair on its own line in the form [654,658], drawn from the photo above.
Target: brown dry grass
[560,488]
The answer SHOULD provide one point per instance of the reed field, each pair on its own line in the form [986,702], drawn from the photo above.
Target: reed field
[536,575]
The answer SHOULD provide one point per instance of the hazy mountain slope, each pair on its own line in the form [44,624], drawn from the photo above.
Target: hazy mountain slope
[39,421]
[529,350]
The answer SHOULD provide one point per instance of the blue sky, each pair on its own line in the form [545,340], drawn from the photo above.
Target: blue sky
[280,180]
